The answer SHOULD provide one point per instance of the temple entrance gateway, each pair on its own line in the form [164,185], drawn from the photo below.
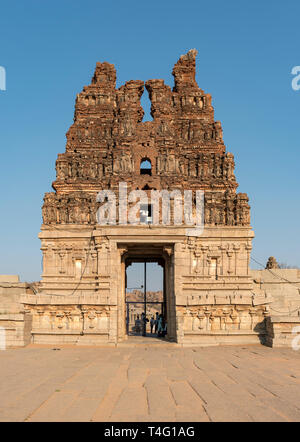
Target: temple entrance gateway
[148,287]
[144,295]
[207,293]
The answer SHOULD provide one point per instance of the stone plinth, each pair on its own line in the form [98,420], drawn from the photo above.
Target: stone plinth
[283,331]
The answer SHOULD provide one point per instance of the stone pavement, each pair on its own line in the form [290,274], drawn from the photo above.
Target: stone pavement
[158,382]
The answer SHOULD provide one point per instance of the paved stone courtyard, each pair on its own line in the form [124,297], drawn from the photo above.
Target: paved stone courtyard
[155,382]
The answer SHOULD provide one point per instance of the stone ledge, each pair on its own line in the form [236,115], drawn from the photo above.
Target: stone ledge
[8,327]
[189,300]
[68,332]
[224,333]
[285,318]
[9,279]
[18,317]
[66,300]
[262,299]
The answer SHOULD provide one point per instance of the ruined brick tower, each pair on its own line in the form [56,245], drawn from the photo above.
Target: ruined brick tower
[208,289]
[108,142]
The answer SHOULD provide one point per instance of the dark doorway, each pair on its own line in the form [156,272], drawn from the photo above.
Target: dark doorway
[144,294]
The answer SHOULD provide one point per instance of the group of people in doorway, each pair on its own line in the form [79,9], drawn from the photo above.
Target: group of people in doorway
[158,324]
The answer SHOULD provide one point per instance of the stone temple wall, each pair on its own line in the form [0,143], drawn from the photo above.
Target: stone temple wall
[283,285]
[183,146]
[211,294]
[271,312]
[15,321]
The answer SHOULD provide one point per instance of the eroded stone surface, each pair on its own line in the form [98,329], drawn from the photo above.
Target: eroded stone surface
[210,296]
[96,384]
[108,141]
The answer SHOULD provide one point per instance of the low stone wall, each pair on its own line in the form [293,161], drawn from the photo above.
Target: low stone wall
[16,329]
[15,323]
[271,315]
[284,287]
[77,320]
[226,320]
[283,331]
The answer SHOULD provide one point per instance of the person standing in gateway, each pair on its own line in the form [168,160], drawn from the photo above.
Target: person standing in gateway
[152,323]
[144,320]
[156,323]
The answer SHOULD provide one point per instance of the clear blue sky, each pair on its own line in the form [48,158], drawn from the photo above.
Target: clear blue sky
[136,278]
[246,53]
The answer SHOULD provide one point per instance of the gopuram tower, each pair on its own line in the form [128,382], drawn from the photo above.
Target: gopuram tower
[208,292]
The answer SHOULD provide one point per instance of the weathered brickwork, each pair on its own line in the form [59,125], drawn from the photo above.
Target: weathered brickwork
[108,141]
[210,294]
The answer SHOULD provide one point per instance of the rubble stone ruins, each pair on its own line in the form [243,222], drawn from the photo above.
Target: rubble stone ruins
[211,296]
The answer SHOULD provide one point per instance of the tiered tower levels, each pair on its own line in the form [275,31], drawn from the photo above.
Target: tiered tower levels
[108,141]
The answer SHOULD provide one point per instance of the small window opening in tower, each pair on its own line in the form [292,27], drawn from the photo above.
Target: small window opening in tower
[146,105]
[146,168]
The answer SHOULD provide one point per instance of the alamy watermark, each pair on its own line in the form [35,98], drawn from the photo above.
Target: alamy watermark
[2,79]
[296,339]
[136,208]
[2,338]
[296,79]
